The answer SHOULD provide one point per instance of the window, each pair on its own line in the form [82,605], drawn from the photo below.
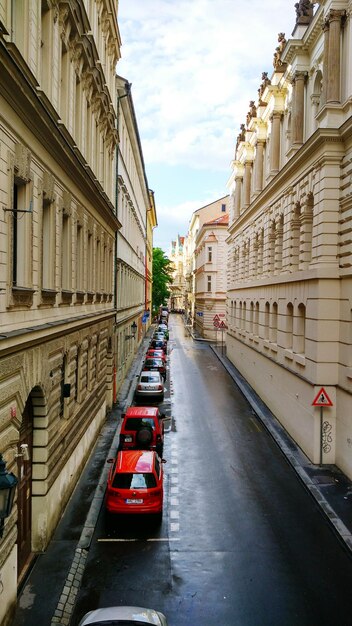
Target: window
[299,340]
[210,254]
[289,326]
[208,283]
[21,249]
[48,252]
[134,481]
[66,253]
[223,208]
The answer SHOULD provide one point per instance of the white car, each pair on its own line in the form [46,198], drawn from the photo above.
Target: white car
[122,616]
[150,383]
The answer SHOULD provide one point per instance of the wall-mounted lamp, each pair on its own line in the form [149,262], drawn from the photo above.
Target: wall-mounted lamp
[8,483]
[133,331]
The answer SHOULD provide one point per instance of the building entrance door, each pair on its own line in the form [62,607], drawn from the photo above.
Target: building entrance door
[24,492]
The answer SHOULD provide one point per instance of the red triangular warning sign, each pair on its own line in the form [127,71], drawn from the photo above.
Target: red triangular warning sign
[322,399]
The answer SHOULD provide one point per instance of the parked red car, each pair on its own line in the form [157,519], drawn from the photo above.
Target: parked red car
[159,344]
[155,364]
[135,484]
[156,353]
[142,427]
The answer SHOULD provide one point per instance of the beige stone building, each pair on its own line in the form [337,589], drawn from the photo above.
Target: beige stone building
[289,308]
[177,287]
[72,281]
[211,278]
[135,203]
[205,214]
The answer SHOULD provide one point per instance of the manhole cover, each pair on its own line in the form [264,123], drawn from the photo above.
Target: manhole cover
[324,480]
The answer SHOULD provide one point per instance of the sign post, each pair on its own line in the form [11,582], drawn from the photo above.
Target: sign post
[216,323]
[222,327]
[322,399]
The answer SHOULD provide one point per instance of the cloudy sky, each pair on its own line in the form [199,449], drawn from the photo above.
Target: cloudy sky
[194,66]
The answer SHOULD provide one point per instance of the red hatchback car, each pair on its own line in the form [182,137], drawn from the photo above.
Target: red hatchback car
[155,364]
[135,484]
[142,427]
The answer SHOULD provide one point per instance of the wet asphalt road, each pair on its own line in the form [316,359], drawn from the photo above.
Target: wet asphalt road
[241,542]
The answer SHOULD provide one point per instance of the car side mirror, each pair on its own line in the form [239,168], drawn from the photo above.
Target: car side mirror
[163,460]
[110,460]
[162,416]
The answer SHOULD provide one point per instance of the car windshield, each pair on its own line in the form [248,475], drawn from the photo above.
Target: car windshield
[155,362]
[134,481]
[135,423]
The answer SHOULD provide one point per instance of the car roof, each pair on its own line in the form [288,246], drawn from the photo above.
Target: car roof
[154,373]
[137,461]
[142,411]
[134,613]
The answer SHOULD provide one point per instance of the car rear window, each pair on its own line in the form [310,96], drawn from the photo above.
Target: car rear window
[134,481]
[149,378]
[135,423]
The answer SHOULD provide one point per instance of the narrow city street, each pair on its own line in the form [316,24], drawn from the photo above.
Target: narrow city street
[241,541]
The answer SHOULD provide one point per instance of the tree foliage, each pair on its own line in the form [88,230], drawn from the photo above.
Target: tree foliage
[162,277]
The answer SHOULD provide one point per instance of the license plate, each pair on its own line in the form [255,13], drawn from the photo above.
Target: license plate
[134,501]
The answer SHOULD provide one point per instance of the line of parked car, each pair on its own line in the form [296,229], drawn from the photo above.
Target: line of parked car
[135,481]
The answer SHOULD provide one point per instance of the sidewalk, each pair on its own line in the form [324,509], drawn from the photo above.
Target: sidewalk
[49,592]
[331,489]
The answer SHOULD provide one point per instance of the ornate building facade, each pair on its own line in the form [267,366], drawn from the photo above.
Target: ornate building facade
[210,278]
[135,207]
[71,286]
[214,210]
[177,287]
[289,307]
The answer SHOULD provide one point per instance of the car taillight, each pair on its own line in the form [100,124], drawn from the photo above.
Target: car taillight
[160,387]
[139,386]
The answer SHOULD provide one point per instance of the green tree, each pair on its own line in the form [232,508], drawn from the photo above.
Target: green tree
[162,278]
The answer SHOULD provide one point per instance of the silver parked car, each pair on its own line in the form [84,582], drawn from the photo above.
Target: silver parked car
[122,616]
[150,384]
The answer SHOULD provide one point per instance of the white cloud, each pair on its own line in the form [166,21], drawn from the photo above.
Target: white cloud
[194,66]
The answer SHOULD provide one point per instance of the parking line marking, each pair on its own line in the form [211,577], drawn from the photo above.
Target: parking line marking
[174,501]
[174,514]
[174,527]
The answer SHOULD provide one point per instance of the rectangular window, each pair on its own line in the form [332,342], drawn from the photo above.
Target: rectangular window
[48,252]
[210,254]
[208,283]
[223,208]
[21,249]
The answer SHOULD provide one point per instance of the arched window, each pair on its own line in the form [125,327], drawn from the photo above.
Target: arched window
[267,321]
[289,326]
[300,331]
[273,333]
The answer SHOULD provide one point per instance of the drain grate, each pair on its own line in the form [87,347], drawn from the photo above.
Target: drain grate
[323,480]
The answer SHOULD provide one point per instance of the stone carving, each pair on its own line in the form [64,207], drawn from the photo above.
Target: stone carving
[22,162]
[278,64]
[304,8]
[241,136]
[252,112]
[265,82]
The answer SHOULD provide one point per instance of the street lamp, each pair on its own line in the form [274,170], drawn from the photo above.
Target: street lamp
[8,482]
[133,331]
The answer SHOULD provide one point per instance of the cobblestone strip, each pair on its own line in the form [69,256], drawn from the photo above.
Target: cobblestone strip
[68,596]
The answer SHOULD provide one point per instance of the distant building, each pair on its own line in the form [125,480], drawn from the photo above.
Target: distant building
[290,253]
[177,287]
[210,278]
[216,209]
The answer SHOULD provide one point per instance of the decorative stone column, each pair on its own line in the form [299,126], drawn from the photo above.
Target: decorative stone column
[275,143]
[237,204]
[325,59]
[247,184]
[298,107]
[334,58]
[278,246]
[259,163]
